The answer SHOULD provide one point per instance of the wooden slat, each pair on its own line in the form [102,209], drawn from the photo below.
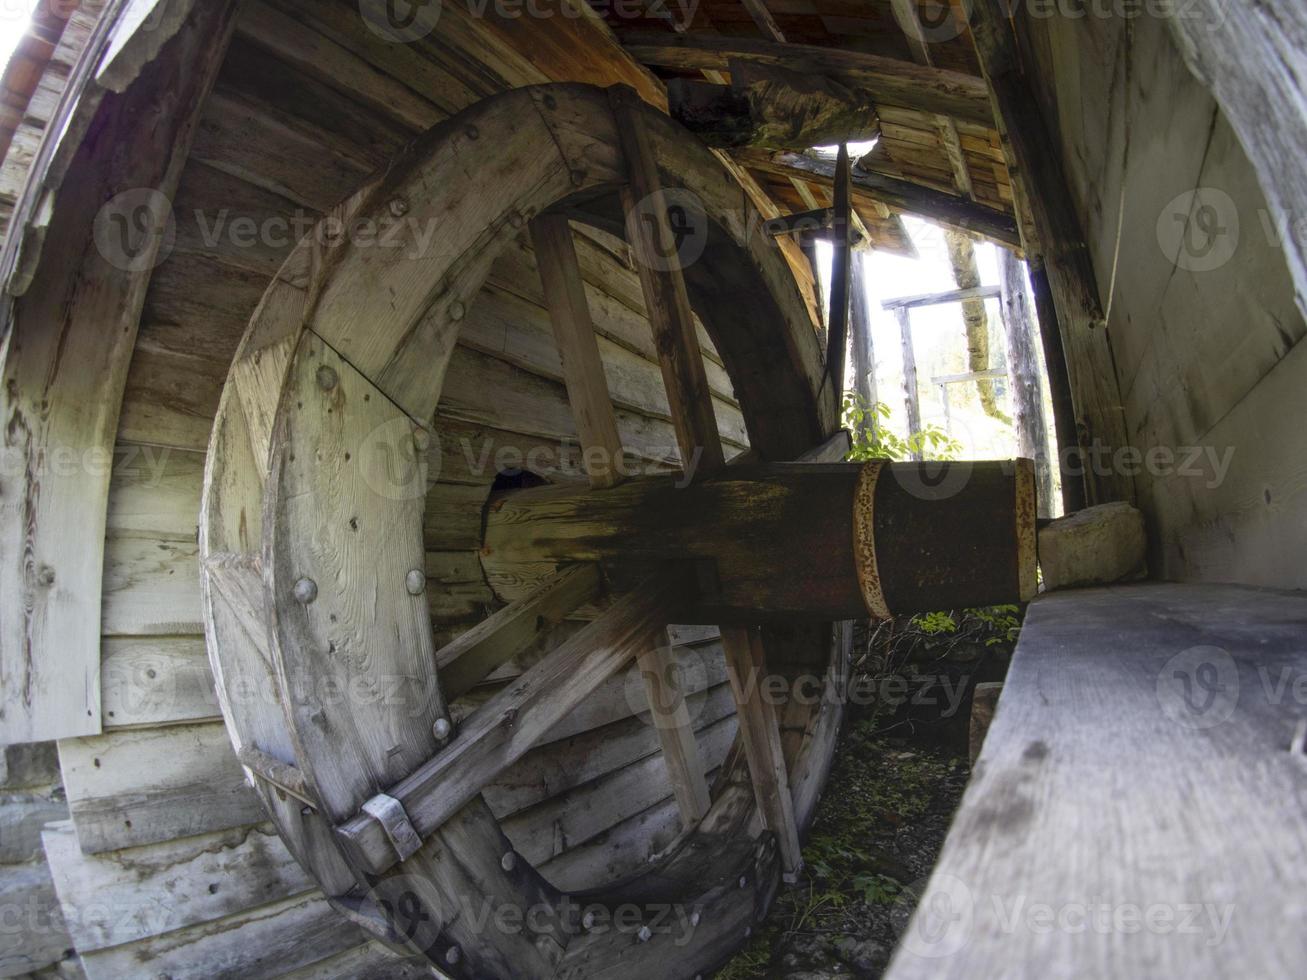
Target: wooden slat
[747,669]
[935,299]
[671,719]
[68,344]
[474,656]
[911,394]
[665,295]
[163,887]
[1151,714]
[583,371]
[507,726]
[140,787]
[841,268]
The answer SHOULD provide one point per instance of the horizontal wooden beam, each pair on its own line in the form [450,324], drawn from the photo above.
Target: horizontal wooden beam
[935,299]
[900,195]
[888,80]
[509,724]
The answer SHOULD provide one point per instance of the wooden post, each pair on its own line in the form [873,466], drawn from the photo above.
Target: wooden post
[1023,377]
[1071,450]
[911,397]
[837,340]
[864,356]
[1035,159]
[583,370]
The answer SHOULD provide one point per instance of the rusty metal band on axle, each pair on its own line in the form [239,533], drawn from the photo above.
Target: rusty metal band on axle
[864,539]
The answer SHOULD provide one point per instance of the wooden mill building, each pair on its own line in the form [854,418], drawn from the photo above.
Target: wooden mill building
[421,431]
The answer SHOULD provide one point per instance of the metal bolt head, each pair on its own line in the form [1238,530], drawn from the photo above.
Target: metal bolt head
[327,378]
[421,440]
[306,590]
[415,581]
[398,207]
[457,311]
[441,729]
[453,955]
[516,220]
[744,881]
[578,178]
[695,916]
[588,920]
[471,131]
[645,934]
[509,861]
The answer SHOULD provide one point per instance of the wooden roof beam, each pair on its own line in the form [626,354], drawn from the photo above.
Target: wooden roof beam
[888,80]
[900,195]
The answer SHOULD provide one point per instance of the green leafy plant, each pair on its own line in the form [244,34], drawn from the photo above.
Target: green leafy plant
[871,437]
[934,623]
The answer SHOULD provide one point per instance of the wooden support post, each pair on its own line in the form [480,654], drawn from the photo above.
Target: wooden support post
[864,355]
[665,296]
[1070,451]
[911,397]
[583,370]
[671,717]
[746,668]
[1035,159]
[837,341]
[948,296]
[764,20]
[1023,376]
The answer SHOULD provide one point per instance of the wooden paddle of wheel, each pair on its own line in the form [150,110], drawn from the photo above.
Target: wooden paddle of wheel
[312,550]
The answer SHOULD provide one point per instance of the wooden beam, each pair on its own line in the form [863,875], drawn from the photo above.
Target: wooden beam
[503,729]
[763,18]
[899,195]
[911,397]
[574,331]
[774,107]
[888,80]
[746,667]
[671,718]
[784,540]
[1036,160]
[68,343]
[665,296]
[864,356]
[1023,376]
[947,296]
[1059,385]
[1250,56]
[837,340]
[472,657]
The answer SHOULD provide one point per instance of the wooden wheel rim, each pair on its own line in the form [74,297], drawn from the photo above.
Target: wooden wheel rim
[308,560]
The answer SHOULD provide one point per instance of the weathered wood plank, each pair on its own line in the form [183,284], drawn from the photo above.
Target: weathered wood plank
[888,80]
[746,666]
[508,725]
[139,787]
[159,888]
[149,681]
[671,719]
[1164,700]
[574,332]
[62,387]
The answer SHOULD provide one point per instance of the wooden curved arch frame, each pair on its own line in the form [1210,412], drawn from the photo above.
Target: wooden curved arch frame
[311,545]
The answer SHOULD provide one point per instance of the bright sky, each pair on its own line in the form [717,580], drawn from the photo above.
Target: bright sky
[15,15]
[938,339]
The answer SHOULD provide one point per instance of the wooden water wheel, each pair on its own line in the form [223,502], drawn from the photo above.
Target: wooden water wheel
[313,566]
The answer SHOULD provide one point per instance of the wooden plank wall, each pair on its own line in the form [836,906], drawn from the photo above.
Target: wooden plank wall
[308,103]
[1207,338]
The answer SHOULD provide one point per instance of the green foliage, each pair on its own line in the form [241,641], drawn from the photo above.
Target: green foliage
[1004,623]
[935,623]
[872,438]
